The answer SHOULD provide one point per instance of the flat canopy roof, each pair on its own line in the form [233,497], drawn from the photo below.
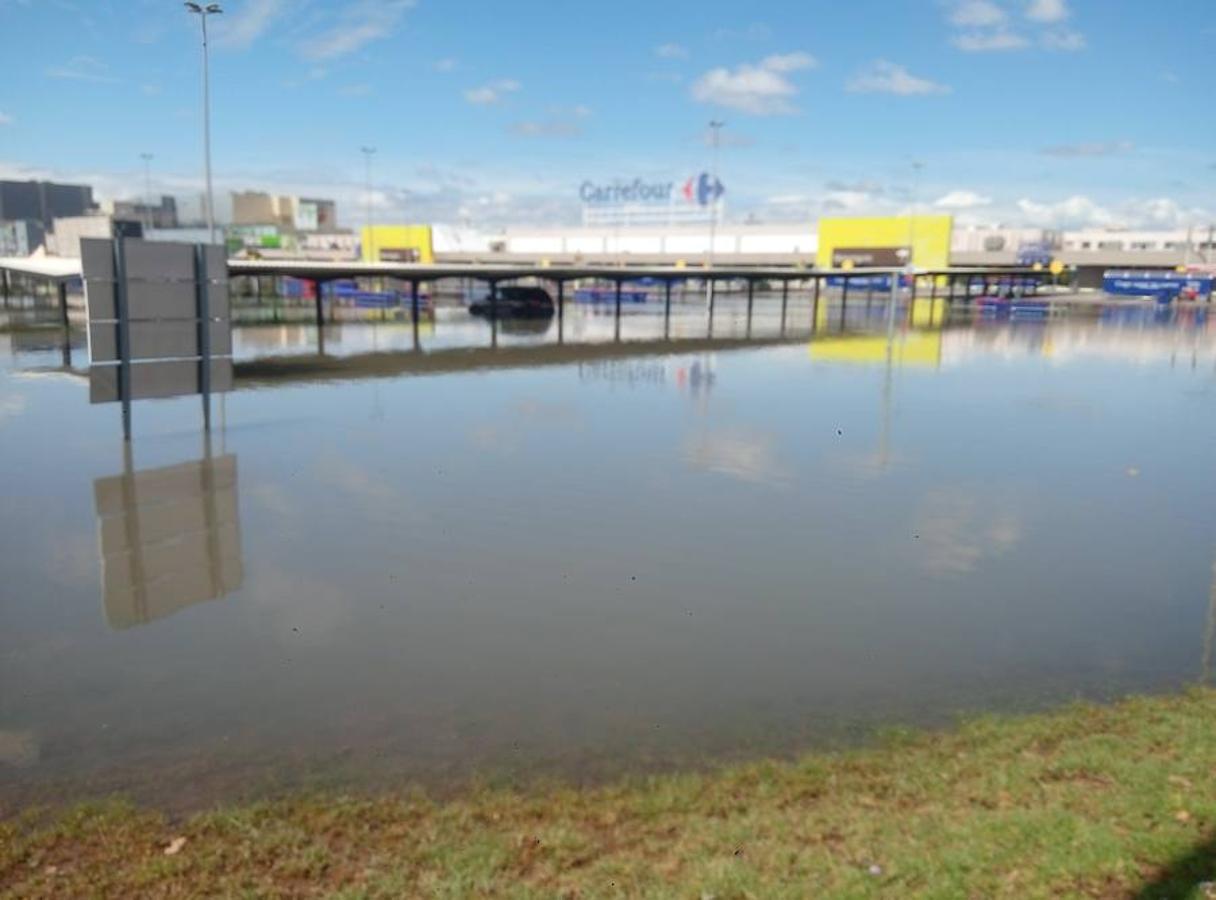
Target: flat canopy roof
[328,270]
[56,267]
[59,268]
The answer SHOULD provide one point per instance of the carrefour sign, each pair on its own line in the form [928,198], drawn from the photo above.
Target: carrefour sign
[700,190]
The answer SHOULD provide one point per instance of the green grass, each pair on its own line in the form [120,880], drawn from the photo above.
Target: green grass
[1115,801]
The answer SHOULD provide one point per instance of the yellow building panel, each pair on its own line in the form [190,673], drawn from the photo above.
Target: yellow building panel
[928,236]
[397,243]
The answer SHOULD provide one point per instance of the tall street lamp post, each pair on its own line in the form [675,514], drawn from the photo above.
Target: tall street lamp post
[368,152]
[211,9]
[715,130]
[147,158]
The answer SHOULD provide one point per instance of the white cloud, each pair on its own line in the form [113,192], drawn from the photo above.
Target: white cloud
[671,51]
[1073,212]
[546,128]
[977,14]
[240,28]
[1063,39]
[788,62]
[358,24]
[560,123]
[1080,211]
[988,41]
[789,200]
[890,78]
[1089,150]
[1049,12]
[83,68]
[849,201]
[447,64]
[962,200]
[494,92]
[759,89]
[984,26]
[6,119]
[1165,212]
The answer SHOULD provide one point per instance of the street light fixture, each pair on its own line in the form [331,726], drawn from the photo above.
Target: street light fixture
[368,152]
[211,9]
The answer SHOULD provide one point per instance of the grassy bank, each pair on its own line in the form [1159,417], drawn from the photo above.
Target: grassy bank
[1107,802]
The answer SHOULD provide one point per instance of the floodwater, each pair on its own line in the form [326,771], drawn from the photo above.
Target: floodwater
[393,566]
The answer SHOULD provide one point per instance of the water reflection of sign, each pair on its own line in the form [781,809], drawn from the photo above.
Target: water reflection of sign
[696,377]
[1148,284]
[169,538]
[623,372]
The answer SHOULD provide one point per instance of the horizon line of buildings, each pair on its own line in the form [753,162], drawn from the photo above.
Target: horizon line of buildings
[51,218]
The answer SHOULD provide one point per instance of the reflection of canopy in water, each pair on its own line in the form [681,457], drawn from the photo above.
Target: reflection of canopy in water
[297,368]
[169,537]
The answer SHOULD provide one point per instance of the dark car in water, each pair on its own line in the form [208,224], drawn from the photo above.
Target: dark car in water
[516,303]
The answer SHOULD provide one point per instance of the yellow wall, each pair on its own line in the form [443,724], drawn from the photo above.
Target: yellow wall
[397,237]
[930,237]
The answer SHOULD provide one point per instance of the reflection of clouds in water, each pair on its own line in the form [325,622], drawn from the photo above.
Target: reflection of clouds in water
[372,492]
[274,498]
[746,455]
[866,465]
[494,437]
[73,560]
[1066,405]
[303,609]
[542,411]
[522,418]
[957,531]
[11,406]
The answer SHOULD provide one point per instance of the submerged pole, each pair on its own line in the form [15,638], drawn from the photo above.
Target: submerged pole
[617,333]
[63,303]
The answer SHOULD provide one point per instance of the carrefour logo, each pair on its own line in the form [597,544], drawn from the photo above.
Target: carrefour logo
[701,189]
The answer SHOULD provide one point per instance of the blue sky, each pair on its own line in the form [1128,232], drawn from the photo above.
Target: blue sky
[1052,112]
